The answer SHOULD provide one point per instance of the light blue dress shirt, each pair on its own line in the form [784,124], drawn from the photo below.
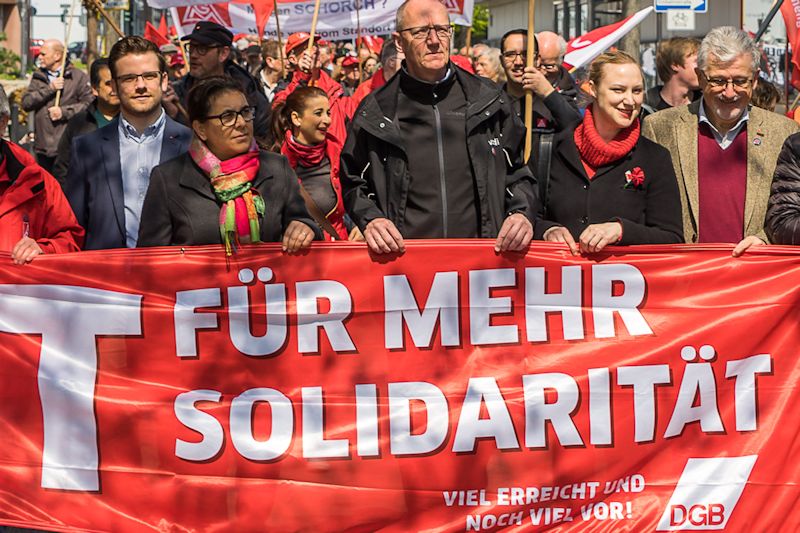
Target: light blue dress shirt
[138,154]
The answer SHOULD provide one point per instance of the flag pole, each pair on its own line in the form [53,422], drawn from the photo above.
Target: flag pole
[528,93]
[468,43]
[313,32]
[358,48]
[66,50]
[280,39]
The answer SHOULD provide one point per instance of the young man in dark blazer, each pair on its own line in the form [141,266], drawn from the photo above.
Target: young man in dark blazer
[110,168]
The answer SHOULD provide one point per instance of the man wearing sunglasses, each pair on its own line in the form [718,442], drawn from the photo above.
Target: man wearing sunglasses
[723,151]
[209,52]
[109,169]
[436,152]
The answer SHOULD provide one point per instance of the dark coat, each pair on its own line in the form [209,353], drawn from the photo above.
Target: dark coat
[374,169]
[180,208]
[650,214]
[565,85]
[81,124]
[94,181]
[252,91]
[783,210]
[76,96]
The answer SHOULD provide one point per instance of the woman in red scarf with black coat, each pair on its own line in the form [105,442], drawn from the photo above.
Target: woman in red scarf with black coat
[608,184]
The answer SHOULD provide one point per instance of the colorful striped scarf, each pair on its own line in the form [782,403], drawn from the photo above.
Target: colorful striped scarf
[232,182]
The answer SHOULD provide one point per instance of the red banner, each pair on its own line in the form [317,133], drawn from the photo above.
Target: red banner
[448,389]
[790,10]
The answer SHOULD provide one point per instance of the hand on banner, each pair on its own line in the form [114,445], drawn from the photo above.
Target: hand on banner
[534,80]
[515,234]
[383,237]
[57,84]
[297,237]
[170,100]
[355,235]
[55,113]
[746,243]
[561,234]
[25,250]
[597,236]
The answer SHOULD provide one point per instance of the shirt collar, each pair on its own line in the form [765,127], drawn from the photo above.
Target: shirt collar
[150,131]
[703,117]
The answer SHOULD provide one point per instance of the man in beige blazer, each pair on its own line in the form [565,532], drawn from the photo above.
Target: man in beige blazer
[724,152]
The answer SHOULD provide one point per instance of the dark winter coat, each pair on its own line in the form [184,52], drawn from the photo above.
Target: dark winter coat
[374,169]
[180,207]
[783,210]
[82,123]
[649,213]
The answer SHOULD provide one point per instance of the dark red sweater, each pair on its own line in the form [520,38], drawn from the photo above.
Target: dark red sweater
[722,182]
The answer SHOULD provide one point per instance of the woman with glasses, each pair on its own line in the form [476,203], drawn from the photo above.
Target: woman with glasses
[608,184]
[224,190]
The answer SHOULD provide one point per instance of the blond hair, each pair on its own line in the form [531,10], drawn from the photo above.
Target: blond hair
[616,57]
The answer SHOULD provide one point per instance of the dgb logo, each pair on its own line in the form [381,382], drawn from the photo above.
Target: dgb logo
[711,514]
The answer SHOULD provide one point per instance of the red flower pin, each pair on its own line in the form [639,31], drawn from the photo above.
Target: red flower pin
[634,178]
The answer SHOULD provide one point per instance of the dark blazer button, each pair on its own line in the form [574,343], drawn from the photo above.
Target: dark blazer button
[584,220]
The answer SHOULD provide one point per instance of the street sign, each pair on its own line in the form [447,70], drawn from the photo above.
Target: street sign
[680,20]
[698,6]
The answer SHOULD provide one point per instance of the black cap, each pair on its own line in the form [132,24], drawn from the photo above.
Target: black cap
[253,49]
[210,33]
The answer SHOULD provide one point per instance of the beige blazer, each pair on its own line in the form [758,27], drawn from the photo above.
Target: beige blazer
[676,129]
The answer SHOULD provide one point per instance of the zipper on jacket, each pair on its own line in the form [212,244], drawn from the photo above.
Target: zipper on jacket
[441,167]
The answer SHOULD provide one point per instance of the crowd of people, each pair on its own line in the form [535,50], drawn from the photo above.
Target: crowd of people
[398,139]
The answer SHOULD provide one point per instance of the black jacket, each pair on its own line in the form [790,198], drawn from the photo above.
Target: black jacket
[374,168]
[783,211]
[649,214]
[565,85]
[83,122]
[180,207]
[251,88]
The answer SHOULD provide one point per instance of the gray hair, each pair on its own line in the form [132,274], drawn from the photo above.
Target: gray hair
[5,109]
[726,43]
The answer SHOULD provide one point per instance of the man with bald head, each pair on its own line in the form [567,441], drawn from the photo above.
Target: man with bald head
[436,152]
[50,120]
[552,48]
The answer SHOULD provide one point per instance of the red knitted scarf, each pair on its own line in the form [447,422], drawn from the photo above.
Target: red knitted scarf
[297,152]
[594,151]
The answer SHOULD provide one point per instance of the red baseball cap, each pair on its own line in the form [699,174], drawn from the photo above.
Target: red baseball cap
[349,61]
[295,40]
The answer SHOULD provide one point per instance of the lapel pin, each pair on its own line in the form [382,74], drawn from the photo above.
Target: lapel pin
[757,141]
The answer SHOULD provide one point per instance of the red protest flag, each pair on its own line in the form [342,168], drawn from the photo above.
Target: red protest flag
[153,35]
[790,10]
[162,25]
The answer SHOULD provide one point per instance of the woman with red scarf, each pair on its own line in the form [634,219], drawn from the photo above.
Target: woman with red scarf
[310,135]
[608,184]
[224,190]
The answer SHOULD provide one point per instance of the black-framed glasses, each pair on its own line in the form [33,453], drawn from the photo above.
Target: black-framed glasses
[131,79]
[548,66]
[229,118]
[200,49]
[512,55]
[419,33]
[718,82]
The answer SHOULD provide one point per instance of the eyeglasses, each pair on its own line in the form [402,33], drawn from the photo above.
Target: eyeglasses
[722,83]
[512,55]
[418,33]
[229,118]
[548,66]
[131,79]
[200,49]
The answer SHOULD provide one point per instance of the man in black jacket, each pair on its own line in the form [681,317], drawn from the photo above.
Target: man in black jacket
[435,153]
[99,113]
[210,55]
